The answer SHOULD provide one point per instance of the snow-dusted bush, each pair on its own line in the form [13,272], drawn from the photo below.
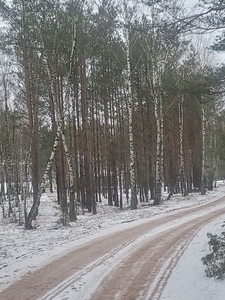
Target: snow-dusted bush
[215,260]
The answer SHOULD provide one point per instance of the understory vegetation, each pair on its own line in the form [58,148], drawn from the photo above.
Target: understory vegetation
[215,260]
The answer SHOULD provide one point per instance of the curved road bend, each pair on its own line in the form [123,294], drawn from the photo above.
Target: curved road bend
[131,264]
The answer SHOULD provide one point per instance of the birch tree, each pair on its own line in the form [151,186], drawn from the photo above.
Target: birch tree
[128,14]
[59,132]
[157,57]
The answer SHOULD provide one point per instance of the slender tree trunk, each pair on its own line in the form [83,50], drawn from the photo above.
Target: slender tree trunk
[59,132]
[158,187]
[203,153]
[212,155]
[181,130]
[34,140]
[129,98]
[87,139]
[107,149]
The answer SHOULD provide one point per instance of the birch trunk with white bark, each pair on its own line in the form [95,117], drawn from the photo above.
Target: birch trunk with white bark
[212,155]
[157,66]
[52,79]
[129,97]
[159,150]
[203,153]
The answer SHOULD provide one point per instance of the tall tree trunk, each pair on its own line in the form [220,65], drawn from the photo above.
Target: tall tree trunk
[158,186]
[32,107]
[107,149]
[53,83]
[211,150]
[181,130]
[203,152]
[129,98]
[86,138]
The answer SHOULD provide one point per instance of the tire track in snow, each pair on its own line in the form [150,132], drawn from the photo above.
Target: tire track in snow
[144,274]
[84,260]
[82,284]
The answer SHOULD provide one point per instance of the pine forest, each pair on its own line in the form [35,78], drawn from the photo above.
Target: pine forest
[106,99]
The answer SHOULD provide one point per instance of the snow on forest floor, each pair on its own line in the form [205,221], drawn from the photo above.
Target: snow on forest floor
[22,251]
[188,280]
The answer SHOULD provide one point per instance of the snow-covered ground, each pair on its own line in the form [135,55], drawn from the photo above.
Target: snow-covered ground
[22,251]
[188,280]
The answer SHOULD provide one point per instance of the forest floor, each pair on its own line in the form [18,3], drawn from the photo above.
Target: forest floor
[150,253]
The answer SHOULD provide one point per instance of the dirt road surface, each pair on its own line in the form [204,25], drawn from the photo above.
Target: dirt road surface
[130,264]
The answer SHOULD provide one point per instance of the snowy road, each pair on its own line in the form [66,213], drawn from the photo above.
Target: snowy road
[133,262]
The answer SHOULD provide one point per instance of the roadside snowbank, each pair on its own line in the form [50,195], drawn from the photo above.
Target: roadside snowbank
[188,280]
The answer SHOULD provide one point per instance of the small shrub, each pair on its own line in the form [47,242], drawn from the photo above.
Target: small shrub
[215,260]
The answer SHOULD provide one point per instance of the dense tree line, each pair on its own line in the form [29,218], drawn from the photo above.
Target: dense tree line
[103,99]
